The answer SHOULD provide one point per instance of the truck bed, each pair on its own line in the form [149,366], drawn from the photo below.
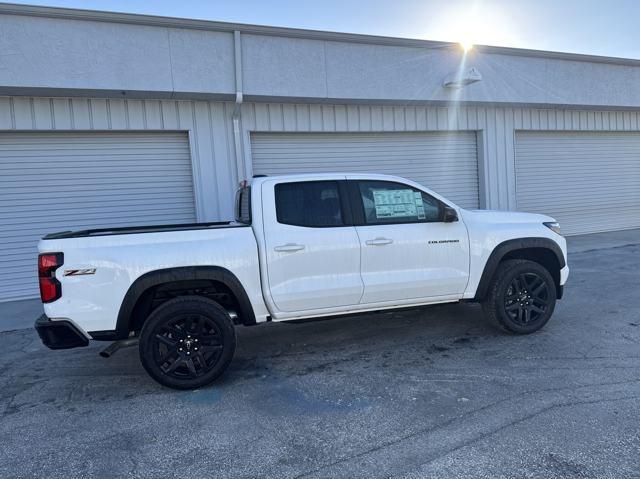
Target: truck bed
[142,229]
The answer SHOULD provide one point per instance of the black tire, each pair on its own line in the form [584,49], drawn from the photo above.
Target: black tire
[187,342]
[521,297]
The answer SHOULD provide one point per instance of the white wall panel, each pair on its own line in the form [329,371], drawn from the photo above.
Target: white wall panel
[211,132]
[53,52]
[446,162]
[57,181]
[207,123]
[587,180]
[208,126]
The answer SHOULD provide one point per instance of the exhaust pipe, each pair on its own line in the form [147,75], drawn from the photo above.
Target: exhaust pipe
[115,346]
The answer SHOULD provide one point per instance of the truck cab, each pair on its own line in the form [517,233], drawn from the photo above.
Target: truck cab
[346,243]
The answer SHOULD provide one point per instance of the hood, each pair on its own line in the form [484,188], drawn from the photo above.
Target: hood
[495,216]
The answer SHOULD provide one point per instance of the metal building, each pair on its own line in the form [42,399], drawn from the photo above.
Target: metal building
[116,119]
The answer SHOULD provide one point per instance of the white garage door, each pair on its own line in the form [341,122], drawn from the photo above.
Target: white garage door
[59,181]
[588,181]
[445,162]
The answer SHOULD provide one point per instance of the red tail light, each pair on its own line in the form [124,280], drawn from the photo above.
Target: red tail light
[50,287]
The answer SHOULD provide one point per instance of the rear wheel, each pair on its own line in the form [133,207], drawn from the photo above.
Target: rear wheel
[187,342]
[521,298]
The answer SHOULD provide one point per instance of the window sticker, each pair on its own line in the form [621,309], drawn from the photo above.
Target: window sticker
[398,204]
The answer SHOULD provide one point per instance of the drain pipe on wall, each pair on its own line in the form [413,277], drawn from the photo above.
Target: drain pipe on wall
[237,109]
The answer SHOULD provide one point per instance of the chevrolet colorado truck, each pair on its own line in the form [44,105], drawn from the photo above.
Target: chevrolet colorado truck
[301,246]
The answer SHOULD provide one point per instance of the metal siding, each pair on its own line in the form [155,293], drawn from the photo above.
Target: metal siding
[443,161]
[588,181]
[210,130]
[71,180]
[208,125]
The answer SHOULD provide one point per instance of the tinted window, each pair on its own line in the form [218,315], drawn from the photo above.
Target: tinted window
[388,203]
[309,203]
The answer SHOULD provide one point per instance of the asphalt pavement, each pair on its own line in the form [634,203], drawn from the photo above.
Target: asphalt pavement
[430,392]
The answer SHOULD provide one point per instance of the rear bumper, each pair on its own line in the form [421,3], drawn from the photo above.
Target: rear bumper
[61,334]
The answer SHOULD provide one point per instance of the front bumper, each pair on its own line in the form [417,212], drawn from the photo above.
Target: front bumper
[62,334]
[564,275]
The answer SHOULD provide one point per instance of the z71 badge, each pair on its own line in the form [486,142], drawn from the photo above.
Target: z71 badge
[79,272]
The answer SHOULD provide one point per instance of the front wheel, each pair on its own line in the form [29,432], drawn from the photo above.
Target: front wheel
[187,342]
[521,298]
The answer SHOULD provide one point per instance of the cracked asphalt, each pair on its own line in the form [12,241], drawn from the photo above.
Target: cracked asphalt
[432,392]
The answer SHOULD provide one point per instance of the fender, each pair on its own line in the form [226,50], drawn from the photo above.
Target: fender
[158,277]
[507,247]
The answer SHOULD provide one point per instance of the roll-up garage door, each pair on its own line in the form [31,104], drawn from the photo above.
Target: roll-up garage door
[588,181]
[60,181]
[445,162]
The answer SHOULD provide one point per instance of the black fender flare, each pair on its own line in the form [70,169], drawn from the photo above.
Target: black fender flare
[161,276]
[500,251]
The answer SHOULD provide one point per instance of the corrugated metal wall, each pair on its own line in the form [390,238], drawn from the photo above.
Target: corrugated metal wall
[272,117]
[446,162]
[211,132]
[208,125]
[588,181]
[57,181]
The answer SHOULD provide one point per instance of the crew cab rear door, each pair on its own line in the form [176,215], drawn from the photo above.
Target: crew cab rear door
[312,249]
[407,250]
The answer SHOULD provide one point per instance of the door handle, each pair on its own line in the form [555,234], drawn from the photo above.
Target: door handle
[379,241]
[289,248]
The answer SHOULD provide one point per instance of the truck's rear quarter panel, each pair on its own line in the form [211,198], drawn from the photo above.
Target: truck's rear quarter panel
[93,301]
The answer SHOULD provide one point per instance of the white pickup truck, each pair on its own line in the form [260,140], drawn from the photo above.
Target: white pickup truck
[301,246]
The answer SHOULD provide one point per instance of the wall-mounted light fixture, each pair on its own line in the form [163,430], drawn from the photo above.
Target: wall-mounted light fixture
[462,78]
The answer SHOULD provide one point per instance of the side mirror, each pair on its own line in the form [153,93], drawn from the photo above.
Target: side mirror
[450,215]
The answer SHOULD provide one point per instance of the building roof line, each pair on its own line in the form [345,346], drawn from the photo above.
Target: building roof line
[209,25]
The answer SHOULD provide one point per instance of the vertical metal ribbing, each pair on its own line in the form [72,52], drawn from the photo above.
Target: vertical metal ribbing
[237,111]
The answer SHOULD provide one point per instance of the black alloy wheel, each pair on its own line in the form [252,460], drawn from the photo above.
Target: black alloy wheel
[521,297]
[187,342]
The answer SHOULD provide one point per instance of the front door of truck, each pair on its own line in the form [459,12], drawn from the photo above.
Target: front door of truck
[407,250]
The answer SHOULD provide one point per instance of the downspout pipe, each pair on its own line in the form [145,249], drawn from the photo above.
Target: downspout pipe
[236,116]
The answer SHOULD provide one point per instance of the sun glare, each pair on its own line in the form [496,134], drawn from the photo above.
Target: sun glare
[475,24]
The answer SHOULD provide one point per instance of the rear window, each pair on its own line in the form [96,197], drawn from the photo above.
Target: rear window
[312,204]
[243,205]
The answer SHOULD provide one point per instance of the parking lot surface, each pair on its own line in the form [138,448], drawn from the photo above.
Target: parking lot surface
[432,392]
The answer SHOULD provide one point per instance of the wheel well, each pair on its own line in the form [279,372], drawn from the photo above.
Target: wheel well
[156,295]
[543,256]
[543,251]
[159,286]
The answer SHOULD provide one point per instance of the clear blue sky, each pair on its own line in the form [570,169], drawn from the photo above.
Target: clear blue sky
[595,27]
